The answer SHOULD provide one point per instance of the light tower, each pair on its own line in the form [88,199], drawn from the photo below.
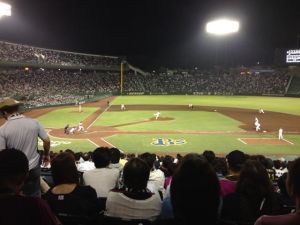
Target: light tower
[5,9]
[220,28]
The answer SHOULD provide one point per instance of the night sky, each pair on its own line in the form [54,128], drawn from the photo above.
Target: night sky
[156,33]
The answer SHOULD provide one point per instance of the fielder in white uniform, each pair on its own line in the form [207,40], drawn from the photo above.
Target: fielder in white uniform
[261,111]
[157,115]
[123,107]
[257,126]
[80,126]
[72,130]
[280,134]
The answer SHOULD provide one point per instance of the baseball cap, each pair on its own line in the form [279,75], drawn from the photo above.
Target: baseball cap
[9,102]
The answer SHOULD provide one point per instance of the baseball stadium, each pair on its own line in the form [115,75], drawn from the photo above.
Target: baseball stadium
[149,112]
[208,111]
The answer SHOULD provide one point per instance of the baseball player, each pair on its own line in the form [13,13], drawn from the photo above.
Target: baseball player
[257,126]
[261,111]
[256,122]
[80,126]
[280,134]
[191,106]
[72,130]
[123,107]
[66,129]
[157,115]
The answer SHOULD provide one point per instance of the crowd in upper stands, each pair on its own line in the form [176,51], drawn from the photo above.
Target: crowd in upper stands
[11,52]
[210,82]
[53,87]
[61,85]
[108,187]
[39,86]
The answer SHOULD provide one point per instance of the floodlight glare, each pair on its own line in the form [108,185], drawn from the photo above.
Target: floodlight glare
[222,27]
[5,9]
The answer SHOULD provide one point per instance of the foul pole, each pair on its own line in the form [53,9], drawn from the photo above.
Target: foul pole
[121,78]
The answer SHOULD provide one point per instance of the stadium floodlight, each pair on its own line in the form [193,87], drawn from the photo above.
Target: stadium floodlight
[222,27]
[5,9]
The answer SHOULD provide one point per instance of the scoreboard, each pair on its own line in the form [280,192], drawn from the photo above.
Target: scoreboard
[293,56]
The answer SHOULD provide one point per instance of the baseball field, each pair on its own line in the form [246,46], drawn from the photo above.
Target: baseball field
[218,123]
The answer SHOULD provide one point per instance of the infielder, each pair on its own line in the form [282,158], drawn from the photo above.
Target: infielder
[123,107]
[157,115]
[280,134]
[191,106]
[256,121]
[261,111]
[80,126]
[257,126]
[72,130]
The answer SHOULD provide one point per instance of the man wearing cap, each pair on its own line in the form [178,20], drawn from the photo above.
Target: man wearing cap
[20,132]
[235,161]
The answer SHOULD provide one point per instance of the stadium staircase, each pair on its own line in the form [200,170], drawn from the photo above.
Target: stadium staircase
[136,70]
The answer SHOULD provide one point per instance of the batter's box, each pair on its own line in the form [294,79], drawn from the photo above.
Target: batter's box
[264,141]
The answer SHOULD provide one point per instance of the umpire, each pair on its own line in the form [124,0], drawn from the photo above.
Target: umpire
[20,132]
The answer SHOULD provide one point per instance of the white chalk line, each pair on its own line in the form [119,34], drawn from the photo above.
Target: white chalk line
[288,141]
[242,141]
[108,143]
[98,117]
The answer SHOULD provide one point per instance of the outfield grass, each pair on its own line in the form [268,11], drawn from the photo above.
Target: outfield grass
[58,144]
[276,104]
[183,120]
[61,117]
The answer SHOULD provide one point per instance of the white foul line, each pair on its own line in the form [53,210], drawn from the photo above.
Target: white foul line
[288,141]
[242,141]
[93,142]
[108,143]
[98,117]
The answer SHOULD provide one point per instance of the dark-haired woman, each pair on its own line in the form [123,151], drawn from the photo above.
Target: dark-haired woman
[254,195]
[67,197]
[134,201]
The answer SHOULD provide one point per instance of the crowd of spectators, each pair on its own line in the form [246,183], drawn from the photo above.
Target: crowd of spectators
[10,52]
[105,186]
[37,87]
[209,82]
[40,86]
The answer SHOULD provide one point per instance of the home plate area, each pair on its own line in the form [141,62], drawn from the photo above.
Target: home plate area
[264,141]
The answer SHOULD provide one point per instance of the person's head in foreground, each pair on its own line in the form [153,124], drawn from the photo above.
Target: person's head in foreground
[136,174]
[64,170]
[13,169]
[195,191]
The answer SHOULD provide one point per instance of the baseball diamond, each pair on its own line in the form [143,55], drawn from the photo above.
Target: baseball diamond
[224,126]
